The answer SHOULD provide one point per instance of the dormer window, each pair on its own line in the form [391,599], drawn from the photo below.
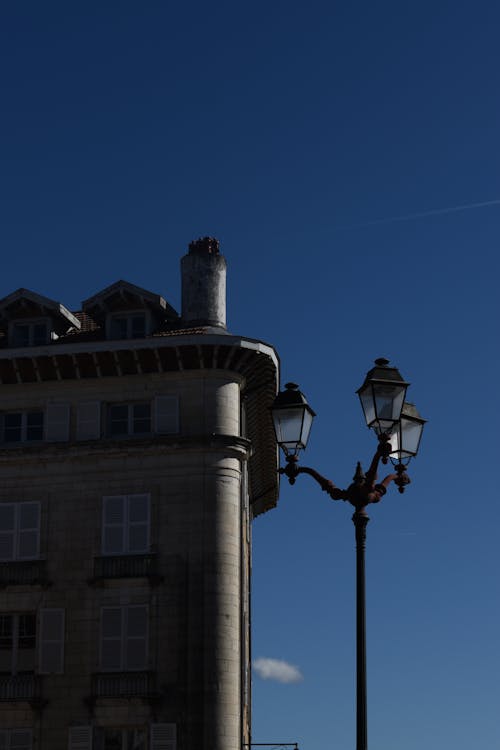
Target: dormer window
[127,325]
[32,320]
[29,333]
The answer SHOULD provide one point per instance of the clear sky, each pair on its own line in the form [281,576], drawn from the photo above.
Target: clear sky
[321,142]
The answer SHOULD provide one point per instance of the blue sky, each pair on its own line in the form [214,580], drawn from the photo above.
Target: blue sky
[298,134]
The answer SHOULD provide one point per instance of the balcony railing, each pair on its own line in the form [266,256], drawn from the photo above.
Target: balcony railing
[23,572]
[123,685]
[126,566]
[20,687]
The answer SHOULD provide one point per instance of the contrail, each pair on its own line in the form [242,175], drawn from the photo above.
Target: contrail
[431,212]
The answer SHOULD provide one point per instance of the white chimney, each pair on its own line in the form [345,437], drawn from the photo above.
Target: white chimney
[203,272]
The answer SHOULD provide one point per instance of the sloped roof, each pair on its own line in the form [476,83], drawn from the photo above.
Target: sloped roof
[23,303]
[123,295]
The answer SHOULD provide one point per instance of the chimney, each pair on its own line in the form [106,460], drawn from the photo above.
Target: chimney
[203,272]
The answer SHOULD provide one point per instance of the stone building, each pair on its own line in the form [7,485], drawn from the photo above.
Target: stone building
[136,447]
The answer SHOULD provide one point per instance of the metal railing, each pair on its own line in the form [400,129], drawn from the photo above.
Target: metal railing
[23,572]
[123,684]
[126,566]
[19,687]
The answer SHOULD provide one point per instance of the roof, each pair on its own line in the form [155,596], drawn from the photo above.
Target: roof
[23,303]
[122,295]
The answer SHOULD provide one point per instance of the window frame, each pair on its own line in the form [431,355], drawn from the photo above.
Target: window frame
[124,738]
[131,418]
[128,316]
[15,647]
[30,323]
[18,530]
[124,638]
[24,426]
[126,525]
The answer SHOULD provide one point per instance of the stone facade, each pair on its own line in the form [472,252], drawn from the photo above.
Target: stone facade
[125,512]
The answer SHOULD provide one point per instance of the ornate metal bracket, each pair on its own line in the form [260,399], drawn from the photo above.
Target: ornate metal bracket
[364,488]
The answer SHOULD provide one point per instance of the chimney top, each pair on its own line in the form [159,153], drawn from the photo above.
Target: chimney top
[204,246]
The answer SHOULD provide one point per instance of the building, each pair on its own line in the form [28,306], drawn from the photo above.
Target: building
[136,447]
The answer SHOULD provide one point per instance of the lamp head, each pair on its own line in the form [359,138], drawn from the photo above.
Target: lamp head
[382,396]
[292,419]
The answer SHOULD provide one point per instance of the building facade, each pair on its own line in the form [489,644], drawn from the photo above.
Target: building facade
[136,446]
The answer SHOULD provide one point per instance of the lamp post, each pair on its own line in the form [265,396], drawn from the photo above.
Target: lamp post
[398,427]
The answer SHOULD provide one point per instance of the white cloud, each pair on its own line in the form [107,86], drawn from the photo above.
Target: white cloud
[278,670]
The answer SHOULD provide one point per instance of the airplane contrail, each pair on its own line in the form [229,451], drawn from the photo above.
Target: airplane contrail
[431,212]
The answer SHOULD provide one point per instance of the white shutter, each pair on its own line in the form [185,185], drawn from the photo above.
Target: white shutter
[136,639]
[57,423]
[163,737]
[88,421]
[28,535]
[7,532]
[138,524]
[166,415]
[112,638]
[113,524]
[80,738]
[51,642]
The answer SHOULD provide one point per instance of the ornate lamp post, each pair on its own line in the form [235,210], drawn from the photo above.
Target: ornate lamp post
[398,427]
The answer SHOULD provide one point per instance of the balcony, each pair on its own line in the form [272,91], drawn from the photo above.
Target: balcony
[20,688]
[126,566]
[23,573]
[124,685]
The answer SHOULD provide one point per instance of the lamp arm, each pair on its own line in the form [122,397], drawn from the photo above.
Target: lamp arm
[291,470]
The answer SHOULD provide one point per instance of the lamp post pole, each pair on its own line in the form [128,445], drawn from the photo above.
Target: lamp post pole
[360,520]
[399,428]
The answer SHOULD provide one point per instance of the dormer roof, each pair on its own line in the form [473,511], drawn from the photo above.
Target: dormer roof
[122,295]
[24,303]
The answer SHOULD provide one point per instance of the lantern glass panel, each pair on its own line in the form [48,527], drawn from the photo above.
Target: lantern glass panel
[406,439]
[366,398]
[288,427]
[388,404]
[306,427]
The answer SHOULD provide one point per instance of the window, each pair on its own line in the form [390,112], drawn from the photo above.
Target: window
[129,419]
[124,636]
[15,739]
[21,649]
[17,643]
[125,524]
[22,427]
[127,326]
[29,333]
[19,531]
[125,739]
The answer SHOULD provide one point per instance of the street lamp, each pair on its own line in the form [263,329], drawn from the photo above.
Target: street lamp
[398,427]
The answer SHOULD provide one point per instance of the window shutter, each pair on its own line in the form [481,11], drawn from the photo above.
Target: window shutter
[166,415]
[88,420]
[51,654]
[111,639]
[57,429]
[28,531]
[138,524]
[80,738]
[136,645]
[7,532]
[113,524]
[163,737]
